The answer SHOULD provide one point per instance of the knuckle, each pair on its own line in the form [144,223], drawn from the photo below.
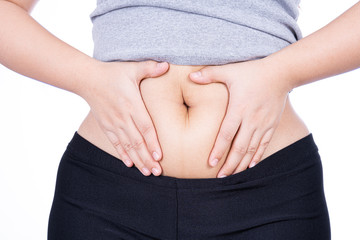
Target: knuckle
[120,151]
[127,146]
[122,126]
[139,143]
[125,107]
[264,144]
[251,149]
[226,135]
[240,149]
[267,121]
[117,144]
[106,125]
[146,128]
[110,135]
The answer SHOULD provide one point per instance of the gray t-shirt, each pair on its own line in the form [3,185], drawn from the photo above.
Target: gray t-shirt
[193,32]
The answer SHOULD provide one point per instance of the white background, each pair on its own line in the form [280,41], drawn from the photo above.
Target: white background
[37,121]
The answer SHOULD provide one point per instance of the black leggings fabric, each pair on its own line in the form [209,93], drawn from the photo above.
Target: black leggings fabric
[98,198]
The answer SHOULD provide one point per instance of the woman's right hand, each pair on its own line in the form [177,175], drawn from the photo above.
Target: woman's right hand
[111,89]
[115,101]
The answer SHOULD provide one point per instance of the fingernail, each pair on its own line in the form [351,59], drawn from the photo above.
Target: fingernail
[155,171]
[145,171]
[214,162]
[156,156]
[128,162]
[196,74]
[252,164]
[222,176]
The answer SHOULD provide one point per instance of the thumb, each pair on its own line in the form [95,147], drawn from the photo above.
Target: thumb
[207,74]
[152,69]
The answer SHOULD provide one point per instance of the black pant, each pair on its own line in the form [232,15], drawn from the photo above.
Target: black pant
[98,198]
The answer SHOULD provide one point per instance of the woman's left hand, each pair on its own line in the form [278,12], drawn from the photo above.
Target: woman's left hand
[257,96]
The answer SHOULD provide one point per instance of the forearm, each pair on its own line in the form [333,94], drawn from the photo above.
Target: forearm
[29,49]
[332,50]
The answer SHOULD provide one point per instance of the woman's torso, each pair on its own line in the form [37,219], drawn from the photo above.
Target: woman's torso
[187,118]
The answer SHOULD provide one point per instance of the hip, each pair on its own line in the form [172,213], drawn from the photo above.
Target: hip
[98,197]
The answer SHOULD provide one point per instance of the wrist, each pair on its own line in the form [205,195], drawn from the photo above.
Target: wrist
[279,74]
[88,78]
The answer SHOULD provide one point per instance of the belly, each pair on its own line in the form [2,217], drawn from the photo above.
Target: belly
[187,118]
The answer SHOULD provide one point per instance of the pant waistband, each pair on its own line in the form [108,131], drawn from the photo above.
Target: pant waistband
[290,158]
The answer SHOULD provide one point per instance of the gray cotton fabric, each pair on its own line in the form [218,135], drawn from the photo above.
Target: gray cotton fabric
[184,32]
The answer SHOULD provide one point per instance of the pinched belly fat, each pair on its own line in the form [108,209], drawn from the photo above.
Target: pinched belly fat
[187,117]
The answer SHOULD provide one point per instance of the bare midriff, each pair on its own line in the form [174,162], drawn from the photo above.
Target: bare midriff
[187,117]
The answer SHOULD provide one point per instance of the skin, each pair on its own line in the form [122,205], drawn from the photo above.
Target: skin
[110,89]
[258,88]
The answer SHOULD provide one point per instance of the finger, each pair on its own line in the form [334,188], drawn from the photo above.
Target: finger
[144,124]
[209,74]
[228,129]
[237,151]
[148,69]
[135,146]
[127,146]
[124,157]
[250,152]
[262,147]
